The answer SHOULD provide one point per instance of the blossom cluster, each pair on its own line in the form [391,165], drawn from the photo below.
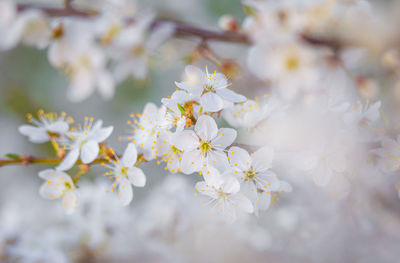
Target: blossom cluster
[319,114]
[94,53]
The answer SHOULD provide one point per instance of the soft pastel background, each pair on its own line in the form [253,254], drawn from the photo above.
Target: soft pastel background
[164,223]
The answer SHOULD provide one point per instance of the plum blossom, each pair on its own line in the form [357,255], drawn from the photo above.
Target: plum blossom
[146,130]
[46,126]
[210,89]
[168,151]
[204,146]
[59,185]
[258,181]
[133,44]
[84,143]
[222,193]
[36,29]
[251,113]
[390,154]
[291,66]
[126,174]
[10,25]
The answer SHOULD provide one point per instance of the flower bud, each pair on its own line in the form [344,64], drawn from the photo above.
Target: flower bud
[228,23]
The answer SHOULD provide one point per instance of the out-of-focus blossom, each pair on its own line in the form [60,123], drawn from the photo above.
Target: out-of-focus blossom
[223,194]
[59,185]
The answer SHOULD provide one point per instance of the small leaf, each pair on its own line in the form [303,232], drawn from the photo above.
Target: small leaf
[249,11]
[181,108]
[12,156]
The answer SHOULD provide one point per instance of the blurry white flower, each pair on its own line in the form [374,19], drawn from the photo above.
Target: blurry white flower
[59,184]
[10,26]
[363,115]
[132,46]
[210,89]
[168,151]
[47,125]
[291,66]
[84,143]
[204,146]
[250,113]
[86,69]
[36,31]
[126,174]
[222,194]
[146,130]
[390,154]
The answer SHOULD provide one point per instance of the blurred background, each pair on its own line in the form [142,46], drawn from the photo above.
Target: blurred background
[164,223]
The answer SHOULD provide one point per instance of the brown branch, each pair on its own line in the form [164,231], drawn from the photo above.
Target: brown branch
[181,29]
[28,159]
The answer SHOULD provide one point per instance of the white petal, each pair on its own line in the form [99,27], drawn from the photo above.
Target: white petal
[89,151]
[68,160]
[130,155]
[60,127]
[262,158]
[264,200]
[82,86]
[230,185]
[70,201]
[47,174]
[186,140]
[211,102]
[244,204]
[285,186]
[230,95]
[99,135]
[192,161]
[219,160]
[225,137]
[136,177]
[212,177]
[35,134]
[125,192]
[239,158]
[106,84]
[206,128]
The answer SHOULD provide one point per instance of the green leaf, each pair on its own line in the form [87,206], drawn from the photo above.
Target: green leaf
[12,156]
[181,108]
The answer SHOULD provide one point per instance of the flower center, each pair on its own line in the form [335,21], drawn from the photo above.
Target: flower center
[222,195]
[208,88]
[67,186]
[292,63]
[175,150]
[250,175]
[124,171]
[205,147]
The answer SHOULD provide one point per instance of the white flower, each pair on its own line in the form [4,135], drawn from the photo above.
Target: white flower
[126,174]
[222,194]
[86,70]
[250,113]
[210,89]
[390,154]
[363,115]
[47,125]
[174,116]
[204,146]
[132,46]
[36,31]
[10,26]
[68,35]
[168,151]
[59,184]
[290,66]
[257,179]
[84,143]
[146,130]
